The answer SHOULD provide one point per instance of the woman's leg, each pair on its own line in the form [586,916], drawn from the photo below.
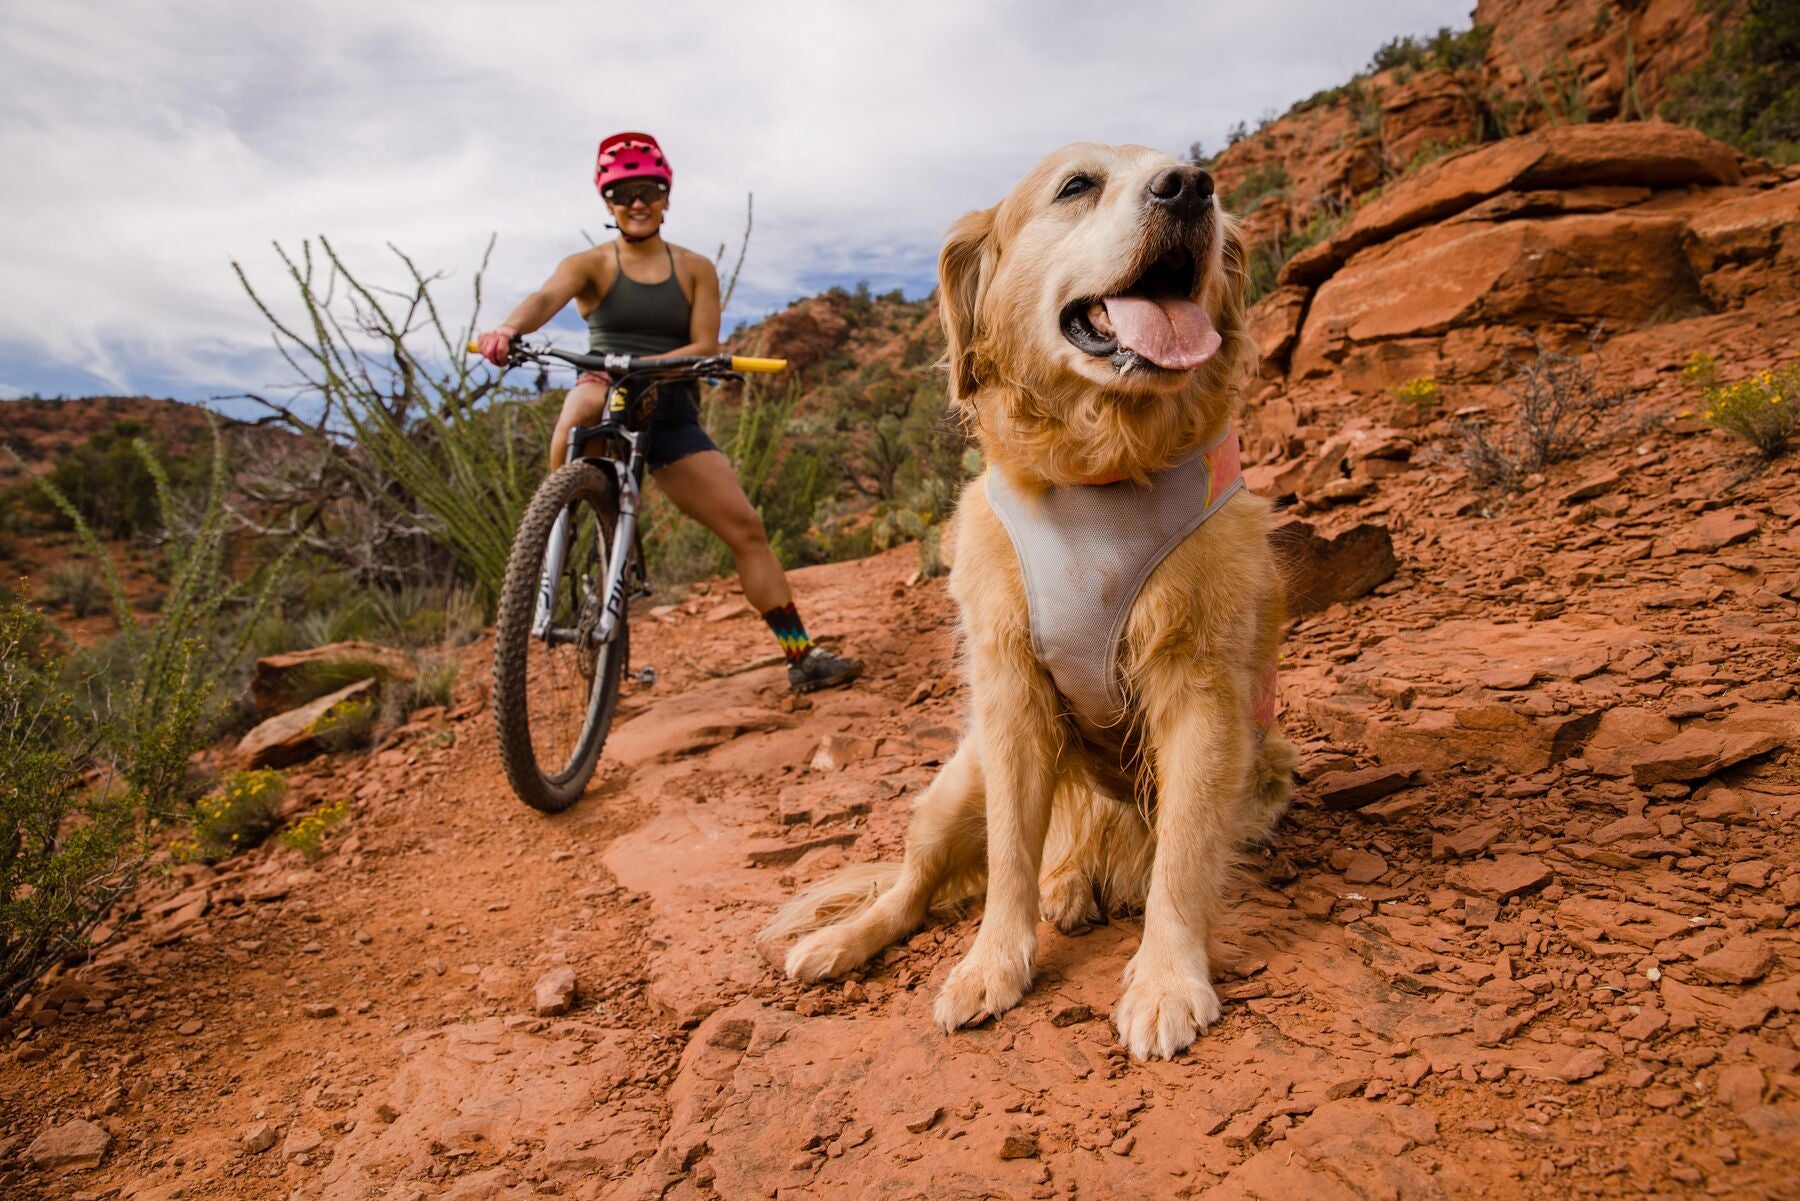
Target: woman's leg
[583,405]
[703,486]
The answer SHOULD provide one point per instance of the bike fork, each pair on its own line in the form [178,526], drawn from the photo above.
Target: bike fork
[618,569]
[554,557]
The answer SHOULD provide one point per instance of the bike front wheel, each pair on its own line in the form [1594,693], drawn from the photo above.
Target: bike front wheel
[555,688]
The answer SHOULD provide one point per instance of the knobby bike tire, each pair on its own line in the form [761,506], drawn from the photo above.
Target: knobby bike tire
[556,788]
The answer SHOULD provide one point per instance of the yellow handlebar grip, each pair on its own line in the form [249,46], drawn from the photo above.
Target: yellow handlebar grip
[474,348]
[740,363]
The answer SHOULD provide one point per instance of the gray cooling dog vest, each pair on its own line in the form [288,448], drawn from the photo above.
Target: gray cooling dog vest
[1086,551]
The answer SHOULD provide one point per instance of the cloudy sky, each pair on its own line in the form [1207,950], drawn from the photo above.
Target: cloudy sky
[148,145]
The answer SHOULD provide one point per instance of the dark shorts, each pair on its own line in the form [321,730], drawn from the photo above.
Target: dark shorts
[675,430]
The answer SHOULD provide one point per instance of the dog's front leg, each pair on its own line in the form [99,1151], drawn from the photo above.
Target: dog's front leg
[1202,744]
[1015,720]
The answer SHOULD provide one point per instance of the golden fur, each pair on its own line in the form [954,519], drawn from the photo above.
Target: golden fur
[1054,823]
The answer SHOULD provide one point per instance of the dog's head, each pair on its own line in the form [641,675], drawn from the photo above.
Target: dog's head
[1095,316]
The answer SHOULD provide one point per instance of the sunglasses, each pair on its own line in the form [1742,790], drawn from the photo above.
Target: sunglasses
[627,194]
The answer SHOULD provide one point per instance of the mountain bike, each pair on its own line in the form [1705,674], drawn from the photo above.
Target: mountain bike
[561,638]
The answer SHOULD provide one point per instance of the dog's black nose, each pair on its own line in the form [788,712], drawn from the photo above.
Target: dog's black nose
[1185,187]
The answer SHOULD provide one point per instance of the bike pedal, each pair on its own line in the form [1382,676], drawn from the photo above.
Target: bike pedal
[644,676]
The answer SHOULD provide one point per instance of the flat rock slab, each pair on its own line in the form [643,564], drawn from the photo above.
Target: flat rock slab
[1321,571]
[288,738]
[1507,876]
[280,682]
[1701,751]
[1424,697]
[1354,789]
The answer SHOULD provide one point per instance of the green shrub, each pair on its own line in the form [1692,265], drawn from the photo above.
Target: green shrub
[1445,50]
[67,850]
[110,484]
[1758,408]
[1262,182]
[237,815]
[307,834]
[1747,92]
[154,694]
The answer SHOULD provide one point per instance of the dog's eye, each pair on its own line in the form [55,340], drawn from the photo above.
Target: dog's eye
[1075,185]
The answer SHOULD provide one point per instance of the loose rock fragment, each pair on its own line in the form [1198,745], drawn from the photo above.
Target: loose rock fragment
[258,1138]
[1018,1144]
[554,993]
[73,1146]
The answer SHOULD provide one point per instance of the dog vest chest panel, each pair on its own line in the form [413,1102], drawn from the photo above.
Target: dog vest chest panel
[1086,551]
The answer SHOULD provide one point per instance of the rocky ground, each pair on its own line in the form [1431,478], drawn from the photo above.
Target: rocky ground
[1527,931]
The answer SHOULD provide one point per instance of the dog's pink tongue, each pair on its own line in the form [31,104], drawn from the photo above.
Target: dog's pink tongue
[1174,334]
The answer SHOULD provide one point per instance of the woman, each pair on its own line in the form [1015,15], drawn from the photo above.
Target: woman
[641,295]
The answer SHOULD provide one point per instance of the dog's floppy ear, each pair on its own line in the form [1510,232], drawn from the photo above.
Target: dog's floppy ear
[964,268]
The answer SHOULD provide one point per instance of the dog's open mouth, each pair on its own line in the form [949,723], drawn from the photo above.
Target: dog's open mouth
[1153,321]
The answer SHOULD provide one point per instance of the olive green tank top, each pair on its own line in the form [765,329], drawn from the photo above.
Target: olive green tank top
[634,318]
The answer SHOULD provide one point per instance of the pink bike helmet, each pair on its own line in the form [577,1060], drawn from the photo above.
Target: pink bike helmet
[630,156]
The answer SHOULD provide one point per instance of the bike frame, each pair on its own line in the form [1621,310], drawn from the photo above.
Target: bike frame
[635,372]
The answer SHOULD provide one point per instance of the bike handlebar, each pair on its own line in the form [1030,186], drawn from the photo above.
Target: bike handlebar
[627,364]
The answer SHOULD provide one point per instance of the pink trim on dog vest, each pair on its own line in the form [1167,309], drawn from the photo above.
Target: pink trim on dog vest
[1085,552]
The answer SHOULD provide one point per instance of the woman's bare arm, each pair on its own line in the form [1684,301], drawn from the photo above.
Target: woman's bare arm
[571,277]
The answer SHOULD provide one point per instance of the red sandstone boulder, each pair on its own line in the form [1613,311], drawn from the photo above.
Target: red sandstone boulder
[293,678]
[1641,155]
[1621,268]
[1746,243]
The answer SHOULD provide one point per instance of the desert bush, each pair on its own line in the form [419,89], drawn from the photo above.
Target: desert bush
[307,834]
[243,810]
[77,587]
[153,691]
[1758,408]
[1747,92]
[415,429]
[68,849]
[1562,409]
[1446,50]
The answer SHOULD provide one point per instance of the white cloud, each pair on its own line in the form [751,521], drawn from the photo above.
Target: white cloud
[150,145]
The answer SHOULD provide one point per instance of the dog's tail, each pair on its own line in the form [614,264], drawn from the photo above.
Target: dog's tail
[849,893]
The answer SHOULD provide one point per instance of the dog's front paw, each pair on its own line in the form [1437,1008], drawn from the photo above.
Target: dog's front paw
[988,982]
[1067,901]
[827,953]
[1164,1009]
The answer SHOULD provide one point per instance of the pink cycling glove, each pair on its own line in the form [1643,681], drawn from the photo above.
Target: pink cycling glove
[495,344]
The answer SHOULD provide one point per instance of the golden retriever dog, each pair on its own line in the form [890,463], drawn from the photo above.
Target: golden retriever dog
[1094,320]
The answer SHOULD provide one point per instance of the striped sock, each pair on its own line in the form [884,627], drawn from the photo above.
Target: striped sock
[789,631]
